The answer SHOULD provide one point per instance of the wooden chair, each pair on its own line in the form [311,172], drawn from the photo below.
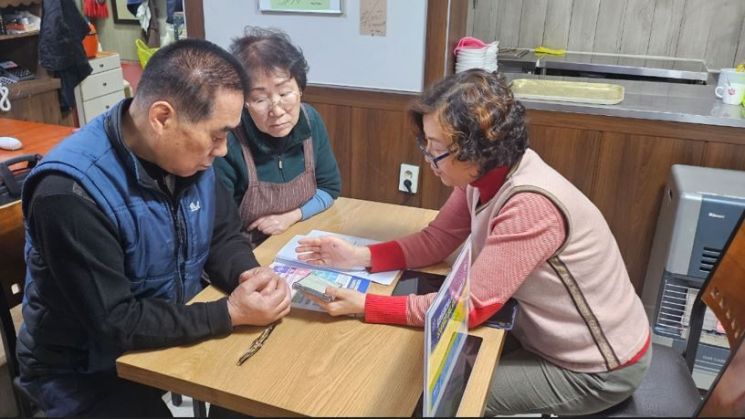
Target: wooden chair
[668,389]
[723,293]
[12,278]
[726,398]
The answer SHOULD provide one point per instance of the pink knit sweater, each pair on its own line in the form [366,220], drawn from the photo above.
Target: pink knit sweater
[527,231]
[527,252]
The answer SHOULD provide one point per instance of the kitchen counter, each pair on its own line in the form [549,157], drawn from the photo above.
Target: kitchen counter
[620,156]
[661,101]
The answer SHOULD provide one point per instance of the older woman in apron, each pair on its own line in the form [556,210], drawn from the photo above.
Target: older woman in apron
[280,167]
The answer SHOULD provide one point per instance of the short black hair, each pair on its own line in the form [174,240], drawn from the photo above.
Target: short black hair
[188,74]
[477,110]
[264,50]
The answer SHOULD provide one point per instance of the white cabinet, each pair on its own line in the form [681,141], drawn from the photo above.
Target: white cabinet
[102,89]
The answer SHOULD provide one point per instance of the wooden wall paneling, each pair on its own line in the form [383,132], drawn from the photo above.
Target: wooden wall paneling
[434,54]
[438,55]
[380,141]
[439,58]
[508,20]
[666,21]
[532,22]
[726,26]
[484,19]
[337,121]
[724,156]
[694,29]
[572,152]
[609,26]
[469,19]
[713,30]
[457,29]
[558,16]
[740,54]
[637,26]
[371,99]
[194,14]
[582,25]
[631,173]
[646,127]
[371,137]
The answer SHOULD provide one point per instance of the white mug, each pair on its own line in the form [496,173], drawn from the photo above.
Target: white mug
[731,94]
[730,75]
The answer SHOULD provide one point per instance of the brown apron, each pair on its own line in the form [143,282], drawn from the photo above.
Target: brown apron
[266,198]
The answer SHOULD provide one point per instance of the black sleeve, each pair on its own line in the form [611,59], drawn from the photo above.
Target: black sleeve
[230,252]
[81,250]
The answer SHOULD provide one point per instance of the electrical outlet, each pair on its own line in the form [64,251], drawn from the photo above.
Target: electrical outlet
[408,180]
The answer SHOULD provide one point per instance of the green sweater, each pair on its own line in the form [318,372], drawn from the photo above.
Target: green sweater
[268,151]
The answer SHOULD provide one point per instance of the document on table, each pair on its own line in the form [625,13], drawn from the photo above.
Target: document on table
[288,256]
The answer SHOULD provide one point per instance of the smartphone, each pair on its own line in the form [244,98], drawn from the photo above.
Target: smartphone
[314,285]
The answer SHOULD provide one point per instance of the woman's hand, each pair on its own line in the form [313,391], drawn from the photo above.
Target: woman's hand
[276,223]
[333,251]
[346,301]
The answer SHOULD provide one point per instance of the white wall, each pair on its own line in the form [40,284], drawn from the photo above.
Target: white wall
[336,52]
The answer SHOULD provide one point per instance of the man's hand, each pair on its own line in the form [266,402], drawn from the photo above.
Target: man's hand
[261,298]
[276,223]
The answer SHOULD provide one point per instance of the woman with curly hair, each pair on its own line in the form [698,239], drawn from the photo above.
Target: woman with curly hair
[581,337]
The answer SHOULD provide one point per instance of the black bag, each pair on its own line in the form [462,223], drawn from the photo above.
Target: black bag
[11,180]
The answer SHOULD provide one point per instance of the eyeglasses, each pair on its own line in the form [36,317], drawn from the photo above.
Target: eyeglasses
[265,104]
[422,144]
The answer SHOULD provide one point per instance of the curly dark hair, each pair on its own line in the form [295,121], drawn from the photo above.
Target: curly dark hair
[477,110]
[270,49]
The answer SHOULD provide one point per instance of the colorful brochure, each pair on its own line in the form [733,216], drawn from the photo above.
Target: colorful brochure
[291,274]
[288,256]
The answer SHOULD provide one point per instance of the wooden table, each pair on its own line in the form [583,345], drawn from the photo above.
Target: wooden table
[37,138]
[314,364]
